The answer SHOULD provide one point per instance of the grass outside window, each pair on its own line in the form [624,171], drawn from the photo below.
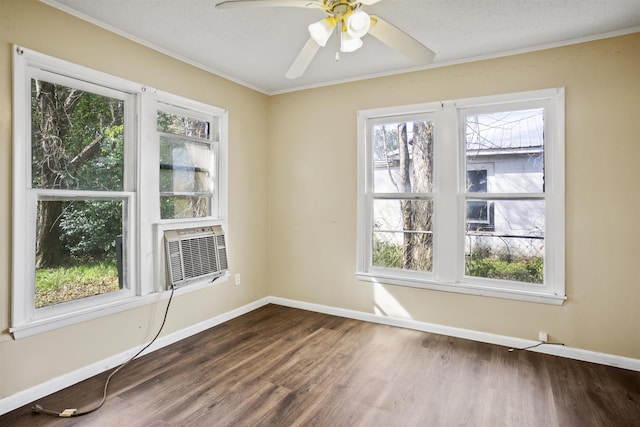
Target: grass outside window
[61,284]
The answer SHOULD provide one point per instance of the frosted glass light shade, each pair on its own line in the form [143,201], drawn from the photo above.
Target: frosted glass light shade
[349,44]
[358,24]
[321,31]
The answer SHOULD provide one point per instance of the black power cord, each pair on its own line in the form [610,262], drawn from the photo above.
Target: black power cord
[67,413]
[535,345]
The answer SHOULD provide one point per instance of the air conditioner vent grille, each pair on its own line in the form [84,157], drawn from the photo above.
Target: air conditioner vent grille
[175,262]
[222,252]
[195,253]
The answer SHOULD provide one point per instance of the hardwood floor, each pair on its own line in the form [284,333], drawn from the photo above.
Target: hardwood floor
[279,366]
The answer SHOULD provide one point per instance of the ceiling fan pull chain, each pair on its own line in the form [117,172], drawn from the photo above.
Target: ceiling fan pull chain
[338,31]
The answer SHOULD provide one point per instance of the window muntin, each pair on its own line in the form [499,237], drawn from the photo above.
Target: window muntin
[497,226]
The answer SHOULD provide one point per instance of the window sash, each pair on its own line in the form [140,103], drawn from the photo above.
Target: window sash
[450,196]
[30,65]
[191,110]
[144,232]
[553,150]
[26,293]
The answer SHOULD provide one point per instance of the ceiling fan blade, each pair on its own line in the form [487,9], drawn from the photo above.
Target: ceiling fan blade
[368,2]
[303,59]
[268,3]
[397,39]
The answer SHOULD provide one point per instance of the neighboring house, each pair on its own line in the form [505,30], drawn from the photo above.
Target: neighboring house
[511,228]
[505,157]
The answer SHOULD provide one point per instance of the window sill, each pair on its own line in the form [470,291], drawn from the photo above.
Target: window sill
[39,326]
[487,291]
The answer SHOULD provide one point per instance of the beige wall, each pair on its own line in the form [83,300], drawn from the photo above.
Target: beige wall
[307,190]
[30,361]
[312,195]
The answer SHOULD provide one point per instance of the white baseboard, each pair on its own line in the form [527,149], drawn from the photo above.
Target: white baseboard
[510,342]
[24,397]
[56,384]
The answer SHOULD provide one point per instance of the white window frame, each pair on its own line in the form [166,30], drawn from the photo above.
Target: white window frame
[218,135]
[145,273]
[449,198]
[183,107]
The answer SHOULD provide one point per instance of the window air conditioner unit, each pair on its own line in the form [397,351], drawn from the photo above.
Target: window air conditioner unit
[195,254]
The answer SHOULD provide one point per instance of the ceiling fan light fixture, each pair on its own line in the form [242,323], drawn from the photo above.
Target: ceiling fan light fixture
[348,43]
[358,23]
[351,24]
[321,31]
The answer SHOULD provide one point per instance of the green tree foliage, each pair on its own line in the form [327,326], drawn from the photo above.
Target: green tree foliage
[529,270]
[77,144]
[61,284]
[387,254]
[89,229]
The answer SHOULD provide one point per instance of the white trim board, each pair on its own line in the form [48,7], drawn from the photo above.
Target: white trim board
[56,384]
[510,342]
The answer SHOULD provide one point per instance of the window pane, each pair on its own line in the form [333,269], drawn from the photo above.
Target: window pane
[182,125]
[184,165]
[513,143]
[174,207]
[403,157]
[402,234]
[505,239]
[78,249]
[77,139]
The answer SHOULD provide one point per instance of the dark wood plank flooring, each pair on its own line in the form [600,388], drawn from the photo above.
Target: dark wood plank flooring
[279,366]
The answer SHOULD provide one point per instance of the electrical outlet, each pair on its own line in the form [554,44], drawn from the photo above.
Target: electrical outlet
[237,278]
[542,336]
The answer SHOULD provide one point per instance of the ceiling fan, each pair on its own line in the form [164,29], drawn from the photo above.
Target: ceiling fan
[347,19]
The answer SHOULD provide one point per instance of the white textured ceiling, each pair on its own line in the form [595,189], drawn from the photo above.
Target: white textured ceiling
[255,47]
